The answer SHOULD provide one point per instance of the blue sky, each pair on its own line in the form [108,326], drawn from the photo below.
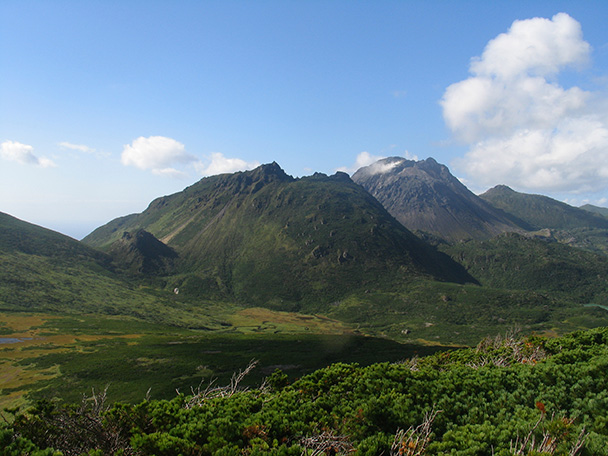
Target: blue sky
[106,105]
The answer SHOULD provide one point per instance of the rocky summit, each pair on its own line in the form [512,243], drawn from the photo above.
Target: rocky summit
[424,196]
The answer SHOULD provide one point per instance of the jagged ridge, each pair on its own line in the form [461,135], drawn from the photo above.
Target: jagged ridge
[264,237]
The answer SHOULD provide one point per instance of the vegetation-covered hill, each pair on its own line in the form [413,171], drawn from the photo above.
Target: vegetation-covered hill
[516,262]
[595,209]
[266,238]
[23,237]
[45,271]
[506,397]
[425,196]
[576,227]
[541,211]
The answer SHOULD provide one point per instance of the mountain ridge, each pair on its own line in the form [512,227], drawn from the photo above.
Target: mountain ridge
[266,237]
[541,211]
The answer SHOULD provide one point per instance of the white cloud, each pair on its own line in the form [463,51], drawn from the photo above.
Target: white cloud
[157,154]
[78,147]
[538,47]
[381,168]
[523,128]
[24,154]
[220,165]
[363,159]
[170,172]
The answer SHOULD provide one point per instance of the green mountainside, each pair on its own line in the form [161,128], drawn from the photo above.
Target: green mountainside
[595,209]
[45,271]
[512,261]
[541,211]
[265,238]
[576,227]
[424,196]
[23,237]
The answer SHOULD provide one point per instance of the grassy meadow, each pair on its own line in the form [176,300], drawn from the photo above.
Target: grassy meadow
[65,356]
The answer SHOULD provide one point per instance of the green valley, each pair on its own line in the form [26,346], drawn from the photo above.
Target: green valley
[296,274]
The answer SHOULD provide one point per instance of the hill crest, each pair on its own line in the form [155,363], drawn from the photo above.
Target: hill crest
[541,211]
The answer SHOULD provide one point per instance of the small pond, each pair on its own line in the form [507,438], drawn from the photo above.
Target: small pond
[12,340]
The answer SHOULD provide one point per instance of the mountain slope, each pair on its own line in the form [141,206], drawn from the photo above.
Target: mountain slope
[595,209]
[541,211]
[19,236]
[512,261]
[45,271]
[424,195]
[141,252]
[265,238]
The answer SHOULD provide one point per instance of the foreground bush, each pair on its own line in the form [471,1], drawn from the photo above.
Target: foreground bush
[507,397]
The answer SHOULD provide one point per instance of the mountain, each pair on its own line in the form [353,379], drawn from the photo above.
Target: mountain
[541,211]
[595,209]
[265,238]
[425,196]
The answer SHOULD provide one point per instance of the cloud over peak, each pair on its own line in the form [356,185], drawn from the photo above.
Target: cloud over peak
[522,127]
[219,164]
[363,159]
[164,156]
[157,154]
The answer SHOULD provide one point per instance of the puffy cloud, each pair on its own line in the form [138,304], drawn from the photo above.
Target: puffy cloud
[537,46]
[220,164]
[23,153]
[523,128]
[157,154]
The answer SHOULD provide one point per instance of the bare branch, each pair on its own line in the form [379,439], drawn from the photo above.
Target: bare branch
[414,441]
[327,443]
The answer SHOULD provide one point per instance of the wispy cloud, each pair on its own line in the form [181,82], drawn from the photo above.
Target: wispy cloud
[219,164]
[24,154]
[78,147]
[522,127]
[157,154]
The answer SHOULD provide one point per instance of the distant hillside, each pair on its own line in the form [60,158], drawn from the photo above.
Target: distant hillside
[595,209]
[264,237]
[512,261]
[425,196]
[45,271]
[541,211]
[23,237]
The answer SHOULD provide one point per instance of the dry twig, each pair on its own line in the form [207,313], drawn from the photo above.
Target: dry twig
[414,441]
